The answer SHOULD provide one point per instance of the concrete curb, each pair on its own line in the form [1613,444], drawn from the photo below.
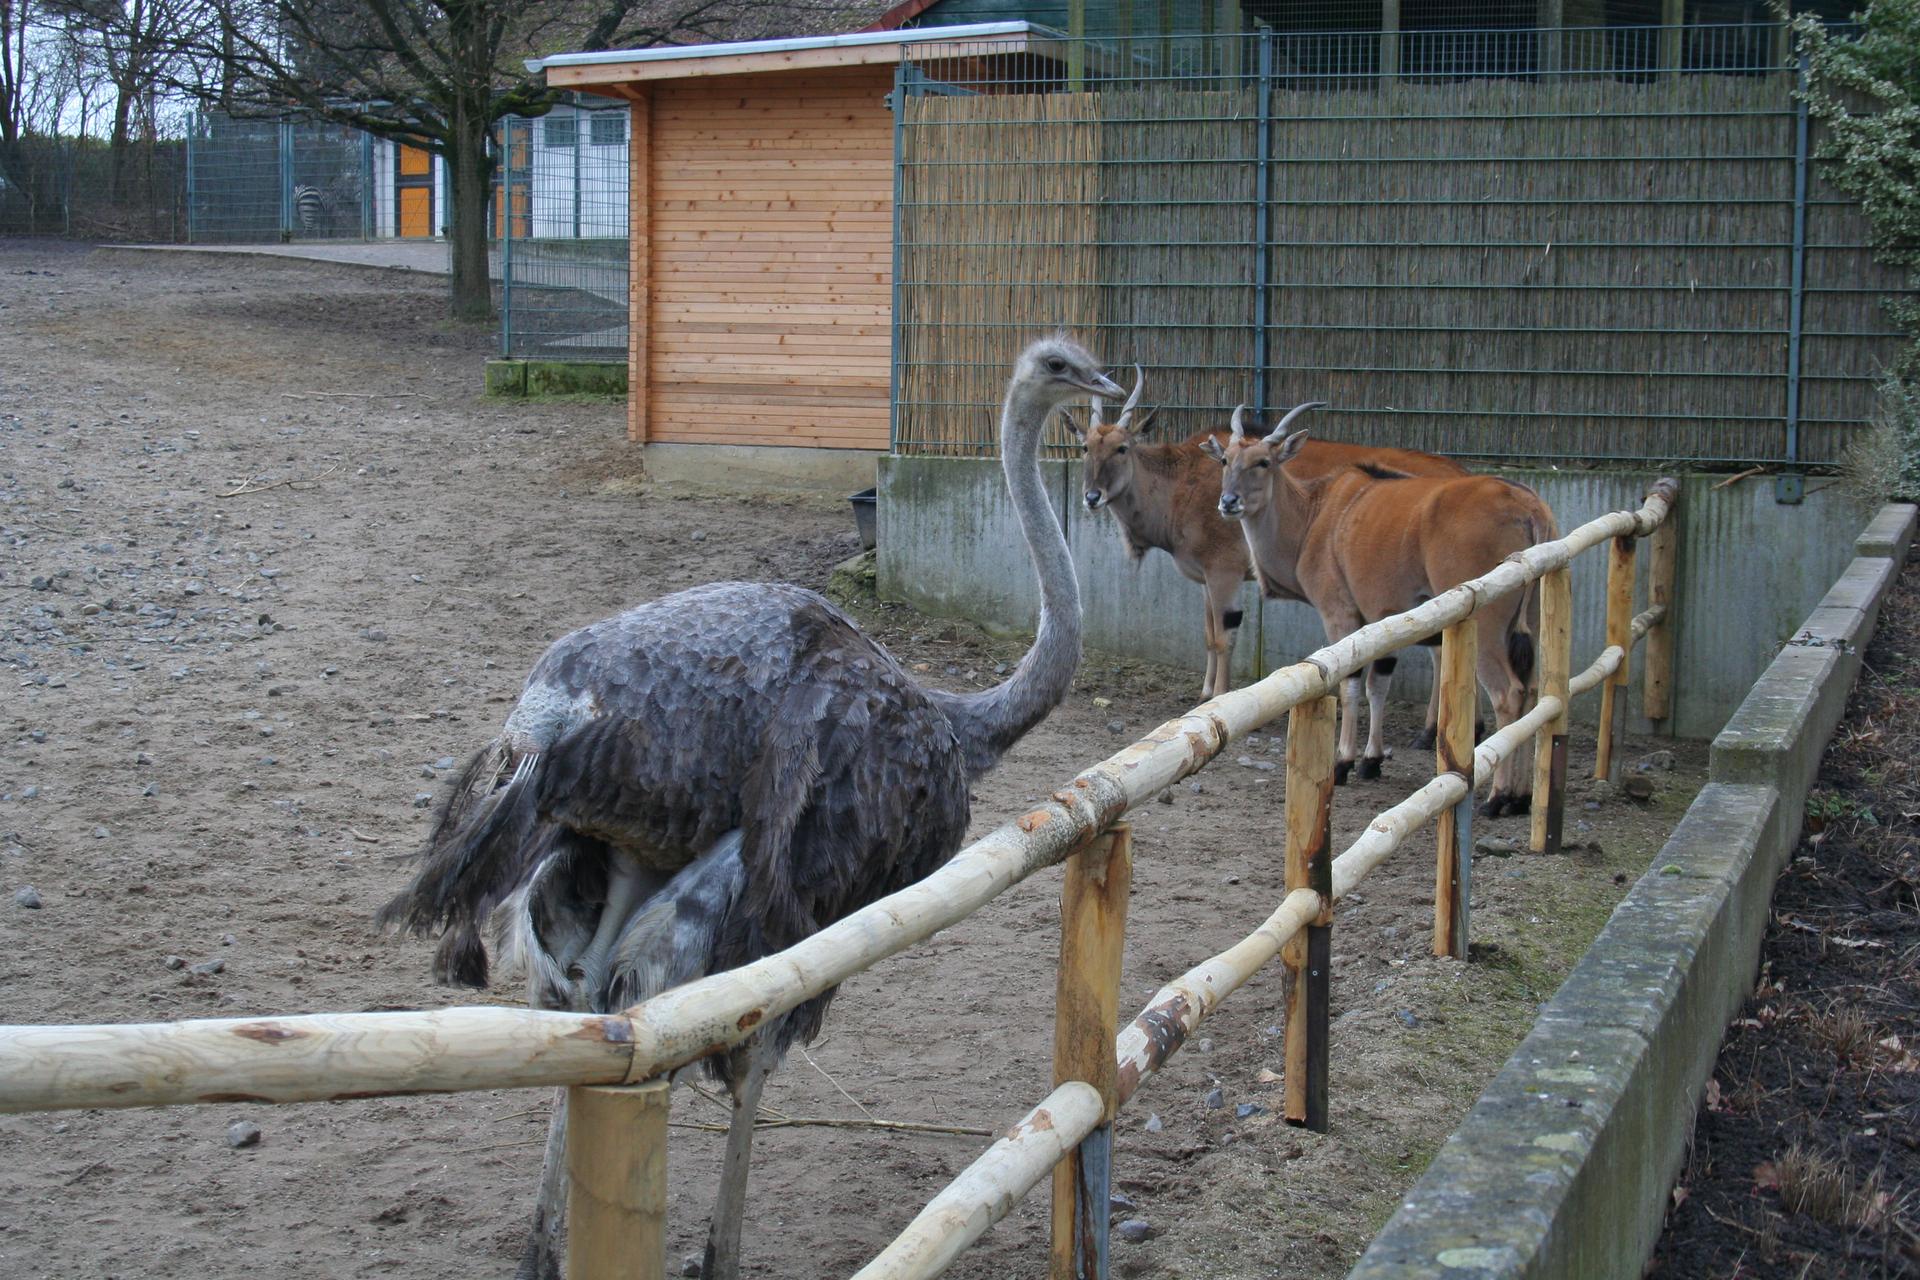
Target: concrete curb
[1563,1166]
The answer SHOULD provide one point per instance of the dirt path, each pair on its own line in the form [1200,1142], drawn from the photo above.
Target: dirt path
[268,567]
[1806,1152]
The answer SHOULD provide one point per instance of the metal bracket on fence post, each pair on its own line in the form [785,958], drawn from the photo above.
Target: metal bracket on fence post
[1555,647]
[1093,922]
[1309,865]
[1453,751]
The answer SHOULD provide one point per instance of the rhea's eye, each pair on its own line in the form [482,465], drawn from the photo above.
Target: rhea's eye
[1056,365]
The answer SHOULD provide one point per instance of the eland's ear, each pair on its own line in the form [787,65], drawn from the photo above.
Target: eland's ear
[1290,446]
[1066,416]
[1146,424]
[1211,447]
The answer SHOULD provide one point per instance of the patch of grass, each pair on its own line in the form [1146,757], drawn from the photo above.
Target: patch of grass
[1846,1032]
[1823,1188]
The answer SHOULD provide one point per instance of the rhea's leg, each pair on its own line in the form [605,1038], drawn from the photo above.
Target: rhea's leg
[541,1258]
[626,886]
[751,1065]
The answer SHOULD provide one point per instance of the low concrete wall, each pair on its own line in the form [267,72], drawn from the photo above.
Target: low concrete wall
[763,468]
[1562,1168]
[1749,570]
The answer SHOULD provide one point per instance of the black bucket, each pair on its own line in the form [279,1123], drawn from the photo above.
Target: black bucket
[865,518]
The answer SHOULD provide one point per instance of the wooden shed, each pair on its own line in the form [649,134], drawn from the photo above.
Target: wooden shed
[761,197]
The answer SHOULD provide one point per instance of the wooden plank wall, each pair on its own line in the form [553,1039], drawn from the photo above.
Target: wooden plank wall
[769,243]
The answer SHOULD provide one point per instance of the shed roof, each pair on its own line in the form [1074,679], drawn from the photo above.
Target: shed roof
[605,71]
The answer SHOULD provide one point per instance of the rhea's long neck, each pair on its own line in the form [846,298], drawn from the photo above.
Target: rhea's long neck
[989,722]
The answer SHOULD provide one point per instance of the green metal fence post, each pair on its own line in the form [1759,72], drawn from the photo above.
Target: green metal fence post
[506,233]
[1789,488]
[286,179]
[1262,225]
[898,101]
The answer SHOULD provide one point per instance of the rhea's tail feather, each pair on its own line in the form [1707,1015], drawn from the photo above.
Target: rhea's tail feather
[483,845]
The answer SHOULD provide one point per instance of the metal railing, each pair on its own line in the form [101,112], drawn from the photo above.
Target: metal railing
[323,1056]
[562,223]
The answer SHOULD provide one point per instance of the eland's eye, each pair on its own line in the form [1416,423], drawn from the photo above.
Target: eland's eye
[1121,449]
[1263,464]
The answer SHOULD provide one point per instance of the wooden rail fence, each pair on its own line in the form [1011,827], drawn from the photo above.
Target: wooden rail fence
[614,1063]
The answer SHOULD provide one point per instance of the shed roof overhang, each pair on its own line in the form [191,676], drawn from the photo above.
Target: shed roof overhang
[612,71]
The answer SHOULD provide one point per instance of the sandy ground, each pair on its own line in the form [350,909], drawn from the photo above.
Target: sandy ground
[290,567]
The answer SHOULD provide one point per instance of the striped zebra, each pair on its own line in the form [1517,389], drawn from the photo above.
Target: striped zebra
[312,210]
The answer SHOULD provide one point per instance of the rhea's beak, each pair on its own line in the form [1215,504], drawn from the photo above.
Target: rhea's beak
[1102,385]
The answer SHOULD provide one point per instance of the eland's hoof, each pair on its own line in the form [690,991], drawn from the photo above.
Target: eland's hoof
[1501,803]
[1424,740]
[1370,766]
[1341,768]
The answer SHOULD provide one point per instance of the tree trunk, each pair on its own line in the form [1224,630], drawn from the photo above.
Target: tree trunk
[117,144]
[470,170]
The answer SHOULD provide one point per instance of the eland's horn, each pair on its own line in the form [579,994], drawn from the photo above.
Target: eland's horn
[1240,422]
[1133,397]
[1280,428]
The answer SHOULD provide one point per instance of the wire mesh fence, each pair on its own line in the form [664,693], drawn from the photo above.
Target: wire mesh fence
[562,218]
[85,187]
[257,181]
[1529,244]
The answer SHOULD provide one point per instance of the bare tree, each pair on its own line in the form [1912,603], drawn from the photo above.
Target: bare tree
[435,74]
[133,42]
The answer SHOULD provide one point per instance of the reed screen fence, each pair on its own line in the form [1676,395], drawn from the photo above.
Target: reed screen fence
[1540,245]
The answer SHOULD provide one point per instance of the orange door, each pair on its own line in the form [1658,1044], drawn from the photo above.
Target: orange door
[413,192]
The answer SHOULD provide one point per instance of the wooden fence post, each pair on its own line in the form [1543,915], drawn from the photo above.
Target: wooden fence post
[1308,955]
[1550,749]
[1093,926]
[617,1181]
[1613,703]
[1657,683]
[1453,752]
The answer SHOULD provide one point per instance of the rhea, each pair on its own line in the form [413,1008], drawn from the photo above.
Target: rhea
[710,777]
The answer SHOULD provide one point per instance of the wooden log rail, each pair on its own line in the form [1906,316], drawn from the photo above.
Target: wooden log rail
[989,1189]
[331,1056]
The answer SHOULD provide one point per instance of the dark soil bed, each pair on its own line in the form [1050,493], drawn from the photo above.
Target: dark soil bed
[1806,1153]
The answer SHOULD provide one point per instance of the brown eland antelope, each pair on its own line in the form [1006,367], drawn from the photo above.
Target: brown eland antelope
[1366,542]
[1166,496]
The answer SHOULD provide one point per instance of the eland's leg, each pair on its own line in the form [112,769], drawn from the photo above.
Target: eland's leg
[1379,678]
[751,1065]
